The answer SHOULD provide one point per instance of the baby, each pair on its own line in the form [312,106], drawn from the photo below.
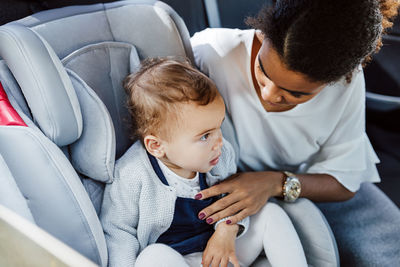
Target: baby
[150,213]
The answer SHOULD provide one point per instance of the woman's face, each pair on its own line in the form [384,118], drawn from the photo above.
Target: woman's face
[281,89]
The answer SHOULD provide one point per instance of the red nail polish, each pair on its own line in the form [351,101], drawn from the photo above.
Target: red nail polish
[209,220]
[198,196]
[228,221]
[201,216]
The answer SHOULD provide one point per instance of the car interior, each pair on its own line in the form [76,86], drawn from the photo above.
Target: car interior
[62,105]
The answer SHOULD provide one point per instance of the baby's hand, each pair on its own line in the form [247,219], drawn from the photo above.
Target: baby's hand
[221,247]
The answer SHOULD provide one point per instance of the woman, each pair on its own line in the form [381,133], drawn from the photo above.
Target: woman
[295,98]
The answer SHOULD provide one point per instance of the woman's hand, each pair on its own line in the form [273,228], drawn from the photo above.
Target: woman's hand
[247,193]
[220,248]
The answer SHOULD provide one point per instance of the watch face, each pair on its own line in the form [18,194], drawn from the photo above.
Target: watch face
[293,189]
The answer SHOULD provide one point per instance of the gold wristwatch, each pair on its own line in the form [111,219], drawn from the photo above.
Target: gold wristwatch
[291,187]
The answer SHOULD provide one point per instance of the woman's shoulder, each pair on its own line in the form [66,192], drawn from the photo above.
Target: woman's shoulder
[220,39]
[219,49]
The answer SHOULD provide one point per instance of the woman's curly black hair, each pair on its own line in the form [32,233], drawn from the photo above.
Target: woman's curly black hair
[325,39]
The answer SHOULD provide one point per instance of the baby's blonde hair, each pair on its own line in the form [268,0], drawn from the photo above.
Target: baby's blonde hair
[155,90]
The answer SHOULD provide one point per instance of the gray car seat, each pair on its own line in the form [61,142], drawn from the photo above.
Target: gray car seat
[383,77]
[62,72]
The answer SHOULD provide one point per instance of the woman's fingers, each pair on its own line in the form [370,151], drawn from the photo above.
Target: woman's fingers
[240,216]
[213,191]
[247,193]
[225,204]
[235,208]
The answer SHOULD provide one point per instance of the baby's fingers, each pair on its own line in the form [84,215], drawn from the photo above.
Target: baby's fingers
[233,259]
[206,261]
[224,262]
[215,262]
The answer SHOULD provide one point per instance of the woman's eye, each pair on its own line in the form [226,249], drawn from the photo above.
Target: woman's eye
[296,95]
[260,70]
[204,137]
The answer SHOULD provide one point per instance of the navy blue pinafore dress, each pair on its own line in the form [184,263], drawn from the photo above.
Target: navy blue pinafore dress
[187,233]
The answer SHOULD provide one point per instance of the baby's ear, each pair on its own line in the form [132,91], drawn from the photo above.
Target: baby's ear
[154,146]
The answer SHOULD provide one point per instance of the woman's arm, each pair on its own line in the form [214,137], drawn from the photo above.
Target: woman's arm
[249,191]
[323,188]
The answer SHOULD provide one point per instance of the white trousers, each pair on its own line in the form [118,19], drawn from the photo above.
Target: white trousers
[270,230]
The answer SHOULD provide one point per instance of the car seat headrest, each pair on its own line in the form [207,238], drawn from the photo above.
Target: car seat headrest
[44,82]
[99,45]
[97,72]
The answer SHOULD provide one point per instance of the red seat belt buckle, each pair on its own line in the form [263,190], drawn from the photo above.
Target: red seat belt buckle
[8,115]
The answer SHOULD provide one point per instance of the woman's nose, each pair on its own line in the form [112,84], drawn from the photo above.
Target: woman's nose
[271,93]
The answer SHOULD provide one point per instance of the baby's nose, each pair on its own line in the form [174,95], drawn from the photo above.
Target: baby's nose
[218,143]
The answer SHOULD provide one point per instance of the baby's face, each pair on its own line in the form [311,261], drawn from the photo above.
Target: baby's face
[196,141]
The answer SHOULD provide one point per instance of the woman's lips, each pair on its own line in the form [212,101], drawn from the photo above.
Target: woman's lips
[273,104]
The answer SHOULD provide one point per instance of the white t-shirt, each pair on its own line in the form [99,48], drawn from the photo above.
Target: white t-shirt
[324,135]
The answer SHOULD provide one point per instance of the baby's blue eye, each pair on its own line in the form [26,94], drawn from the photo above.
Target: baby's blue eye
[204,137]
